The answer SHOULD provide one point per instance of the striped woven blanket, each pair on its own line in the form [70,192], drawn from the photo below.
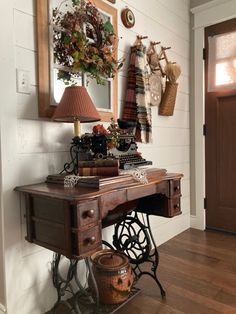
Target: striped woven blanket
[137,100]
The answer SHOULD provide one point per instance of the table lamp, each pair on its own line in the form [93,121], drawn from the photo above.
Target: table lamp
[75,106]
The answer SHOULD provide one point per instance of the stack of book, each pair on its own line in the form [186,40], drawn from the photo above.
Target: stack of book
[99,167]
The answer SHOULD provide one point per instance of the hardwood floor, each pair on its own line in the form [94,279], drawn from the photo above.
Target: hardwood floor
[198,272]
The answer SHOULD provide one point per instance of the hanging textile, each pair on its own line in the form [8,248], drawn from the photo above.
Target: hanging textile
[156,90]
[137,101]
[155,78]
[130,106]
[144,124]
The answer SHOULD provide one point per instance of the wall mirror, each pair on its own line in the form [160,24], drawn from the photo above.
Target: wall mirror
[50,88]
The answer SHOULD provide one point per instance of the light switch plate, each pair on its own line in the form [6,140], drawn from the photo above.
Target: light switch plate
[23,81]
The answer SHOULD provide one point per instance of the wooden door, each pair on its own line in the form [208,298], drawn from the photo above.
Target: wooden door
[220,119]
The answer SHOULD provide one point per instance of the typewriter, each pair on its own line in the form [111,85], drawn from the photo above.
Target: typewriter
[127,153]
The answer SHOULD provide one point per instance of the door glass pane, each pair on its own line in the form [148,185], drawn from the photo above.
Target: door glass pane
[222,62]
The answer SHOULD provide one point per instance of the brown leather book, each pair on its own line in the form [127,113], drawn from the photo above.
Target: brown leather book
[99,171]
[98,163]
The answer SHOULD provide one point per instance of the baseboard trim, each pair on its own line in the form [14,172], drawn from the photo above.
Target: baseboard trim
[197,223]
[2,309]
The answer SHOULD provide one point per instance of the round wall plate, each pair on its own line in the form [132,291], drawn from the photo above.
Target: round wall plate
[128,18]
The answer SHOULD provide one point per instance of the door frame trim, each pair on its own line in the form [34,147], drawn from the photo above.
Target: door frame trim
[205,15]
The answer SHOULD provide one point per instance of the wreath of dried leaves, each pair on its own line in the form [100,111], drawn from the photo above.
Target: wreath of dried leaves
[84,43]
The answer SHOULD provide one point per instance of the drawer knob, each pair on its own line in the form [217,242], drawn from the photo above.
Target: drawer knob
[92,240]
[176,206]
[176,188]
[90,213]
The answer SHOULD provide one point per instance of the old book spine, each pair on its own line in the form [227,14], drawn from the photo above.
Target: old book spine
[98,163]
[99,171]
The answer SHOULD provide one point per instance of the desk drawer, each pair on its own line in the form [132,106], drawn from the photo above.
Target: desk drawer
[175,188]
[160,205]
[85,214]
[87,240]
[141,191]
[174,206]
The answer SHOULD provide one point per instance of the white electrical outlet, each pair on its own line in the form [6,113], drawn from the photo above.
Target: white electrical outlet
[23,81]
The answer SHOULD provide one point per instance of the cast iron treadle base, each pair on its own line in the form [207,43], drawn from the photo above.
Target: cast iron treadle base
[83,301]
[107,308]
[135,239]
[110,309]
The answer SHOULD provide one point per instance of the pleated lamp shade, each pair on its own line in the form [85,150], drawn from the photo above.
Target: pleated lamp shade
[76,105]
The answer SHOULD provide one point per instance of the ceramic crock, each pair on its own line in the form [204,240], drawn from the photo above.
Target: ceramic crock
[113,275]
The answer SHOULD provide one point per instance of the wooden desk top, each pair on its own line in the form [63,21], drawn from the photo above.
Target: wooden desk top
[80,193]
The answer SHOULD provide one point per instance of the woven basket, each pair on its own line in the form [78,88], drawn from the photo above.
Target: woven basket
[167,105]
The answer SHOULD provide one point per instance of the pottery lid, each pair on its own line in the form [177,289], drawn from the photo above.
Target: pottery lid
[109,260]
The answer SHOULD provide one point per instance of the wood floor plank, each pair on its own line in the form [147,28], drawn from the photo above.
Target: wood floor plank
[210,275]
[227,256]
[209,238]
[206,259]
[198,275]
[206,304]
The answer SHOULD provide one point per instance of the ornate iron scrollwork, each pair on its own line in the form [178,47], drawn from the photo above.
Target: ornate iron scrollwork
[80,295]
[131,237]
[136,240]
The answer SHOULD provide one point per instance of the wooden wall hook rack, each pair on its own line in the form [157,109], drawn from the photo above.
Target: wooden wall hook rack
[165,48]
[154,43]
[141,37]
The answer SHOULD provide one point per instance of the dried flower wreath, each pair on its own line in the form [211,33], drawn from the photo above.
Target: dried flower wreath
[84,43]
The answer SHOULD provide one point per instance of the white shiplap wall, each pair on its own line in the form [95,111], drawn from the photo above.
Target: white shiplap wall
[32,148]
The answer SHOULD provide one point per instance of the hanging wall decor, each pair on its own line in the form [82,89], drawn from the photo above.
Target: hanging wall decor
[172,71]
[128,18]
[155,78]
[84,43]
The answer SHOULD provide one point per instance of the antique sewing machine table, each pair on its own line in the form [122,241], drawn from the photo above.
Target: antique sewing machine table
[69,221]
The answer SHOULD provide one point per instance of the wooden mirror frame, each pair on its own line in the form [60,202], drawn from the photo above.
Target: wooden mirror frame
[46,109]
